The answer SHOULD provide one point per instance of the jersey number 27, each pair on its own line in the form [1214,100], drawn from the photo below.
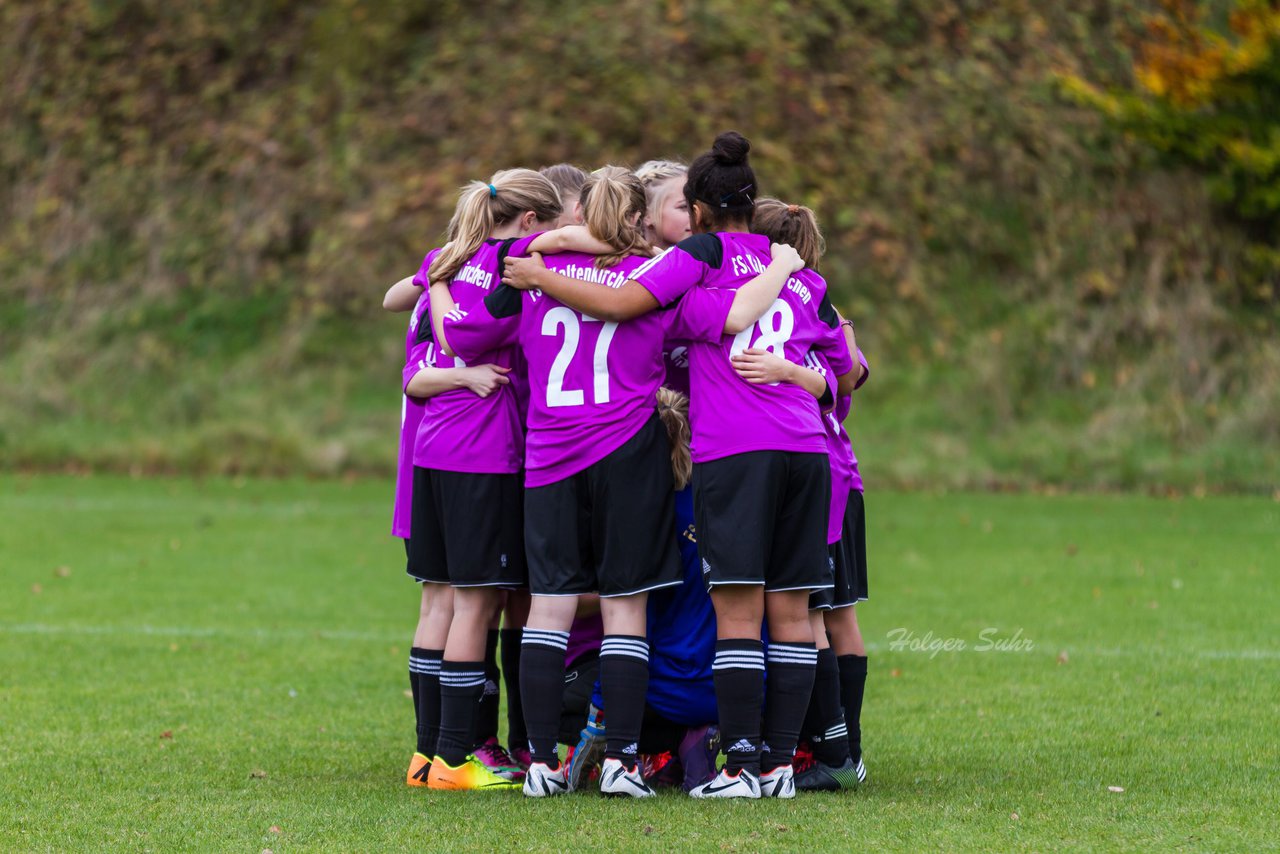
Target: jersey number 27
[557,394]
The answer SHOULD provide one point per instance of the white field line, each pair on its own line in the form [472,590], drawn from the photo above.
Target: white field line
[1046,649]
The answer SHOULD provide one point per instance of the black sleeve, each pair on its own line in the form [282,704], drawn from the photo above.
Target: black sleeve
[707,248]
[504,301]
[827,401]
[424,327]
[827,312]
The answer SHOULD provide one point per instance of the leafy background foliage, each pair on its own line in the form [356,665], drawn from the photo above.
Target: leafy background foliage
[1059,277]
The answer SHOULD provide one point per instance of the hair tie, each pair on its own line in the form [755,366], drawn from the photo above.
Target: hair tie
[793,209]
[493,192]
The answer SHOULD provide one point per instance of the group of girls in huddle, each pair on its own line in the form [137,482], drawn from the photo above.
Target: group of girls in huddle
[563,385]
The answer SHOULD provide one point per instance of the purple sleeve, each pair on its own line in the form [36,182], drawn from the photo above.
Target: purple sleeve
[416,361]
[670,275]
[700,315]
[833,346]
[866,370]
[521,246]
[420,278]
[471,334]
[815,360]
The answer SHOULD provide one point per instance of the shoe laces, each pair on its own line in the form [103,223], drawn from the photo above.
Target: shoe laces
[495,755]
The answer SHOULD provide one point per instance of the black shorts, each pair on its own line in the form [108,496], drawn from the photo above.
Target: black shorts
[824,599]
[851,554]
[848,561]
[610,528]
[762,519]
[467,529]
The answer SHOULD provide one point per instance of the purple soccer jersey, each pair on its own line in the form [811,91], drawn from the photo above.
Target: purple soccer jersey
[461,431]
[410,417]
[585,636]
[844,465]
[591,383]
[843,405]
[675,356]
[727,414]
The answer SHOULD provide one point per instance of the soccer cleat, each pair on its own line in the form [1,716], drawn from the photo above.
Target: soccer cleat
[419,766]
[620,780]
[522,757]
[742,784]
[778,783]
[471,775]
[496,759]
[804,758]
[542,782]
[698,751]
[861,770]
[821,777]
[589,751]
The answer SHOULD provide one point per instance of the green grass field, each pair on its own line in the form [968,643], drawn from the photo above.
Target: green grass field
[221,665]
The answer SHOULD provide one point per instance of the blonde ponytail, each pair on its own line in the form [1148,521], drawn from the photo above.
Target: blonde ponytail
[613,205]
[483,207]
[673,409]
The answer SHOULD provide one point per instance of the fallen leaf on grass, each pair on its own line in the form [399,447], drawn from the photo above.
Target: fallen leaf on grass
[648,828]
[1063,658]
[62,571]
[167,734]
[37,589]
[275,828]
[408,693]
[267,851]
[1014,816]
[258,774]
[1115,789]
[895,673]
[1072,550]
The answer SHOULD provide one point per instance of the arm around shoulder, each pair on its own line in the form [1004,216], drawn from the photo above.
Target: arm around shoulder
[754,298]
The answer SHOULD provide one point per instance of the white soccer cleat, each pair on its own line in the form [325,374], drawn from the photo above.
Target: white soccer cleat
[620,781]
[743,784]
[778,783]
[541,782]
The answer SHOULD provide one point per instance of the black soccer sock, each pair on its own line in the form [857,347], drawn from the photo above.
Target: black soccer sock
[853,682]
[509,650]
[487,715]
[738,674]
[461,685]
[417,667]
[624,681]
[830,738]
[429,702]
[542,690]
[790,682]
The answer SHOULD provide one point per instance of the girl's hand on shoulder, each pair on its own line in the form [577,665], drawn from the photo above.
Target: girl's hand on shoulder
[785,253]
[484,380]
[522,273]
[760,366]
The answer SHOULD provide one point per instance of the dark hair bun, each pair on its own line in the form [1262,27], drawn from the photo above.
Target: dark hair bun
[730,149]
